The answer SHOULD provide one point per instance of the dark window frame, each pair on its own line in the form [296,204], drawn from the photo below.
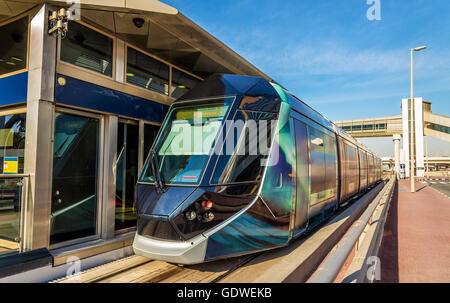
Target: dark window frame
[172,82]
[113,58]
[7,22]
[139,51]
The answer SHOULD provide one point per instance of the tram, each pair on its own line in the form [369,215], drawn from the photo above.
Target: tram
[241,165]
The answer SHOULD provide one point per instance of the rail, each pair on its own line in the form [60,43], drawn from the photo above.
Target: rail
[365,237]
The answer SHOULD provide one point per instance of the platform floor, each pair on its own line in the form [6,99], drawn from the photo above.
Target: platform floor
[416,240]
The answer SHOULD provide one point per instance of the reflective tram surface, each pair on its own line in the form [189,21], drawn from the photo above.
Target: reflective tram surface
[240,165]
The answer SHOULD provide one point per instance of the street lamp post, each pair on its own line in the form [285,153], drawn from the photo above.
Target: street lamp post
[412,121]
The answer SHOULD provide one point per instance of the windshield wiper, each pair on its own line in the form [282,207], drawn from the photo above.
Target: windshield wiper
[160,187]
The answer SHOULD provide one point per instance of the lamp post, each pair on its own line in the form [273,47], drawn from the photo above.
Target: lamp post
[412,121]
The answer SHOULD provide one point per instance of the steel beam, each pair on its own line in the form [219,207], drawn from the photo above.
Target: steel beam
[39,130]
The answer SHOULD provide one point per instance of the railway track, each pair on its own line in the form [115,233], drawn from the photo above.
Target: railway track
[293,263]
[137,269]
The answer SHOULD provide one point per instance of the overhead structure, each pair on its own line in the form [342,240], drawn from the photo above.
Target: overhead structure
[426,122]
[163,32]
[434,125]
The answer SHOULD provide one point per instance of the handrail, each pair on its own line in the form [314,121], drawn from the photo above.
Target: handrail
[331,267]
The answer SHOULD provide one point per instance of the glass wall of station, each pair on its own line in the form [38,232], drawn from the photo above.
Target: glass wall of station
[12,147]
[14,37]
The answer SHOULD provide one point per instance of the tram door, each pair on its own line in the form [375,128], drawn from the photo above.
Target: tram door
[302,172]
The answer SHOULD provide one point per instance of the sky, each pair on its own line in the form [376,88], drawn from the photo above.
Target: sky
[330,55]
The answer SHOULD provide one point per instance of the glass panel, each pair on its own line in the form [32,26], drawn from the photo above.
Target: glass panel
[245,162]
[353,169]
[331,163]
[12,143]
[10,202]
[180,158]
[182,83]
[13,49]
[318,166]
[74,196]
[87,48]
[146,72]
[150,133]
[126,175]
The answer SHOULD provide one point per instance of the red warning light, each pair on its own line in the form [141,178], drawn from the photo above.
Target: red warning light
[206,205]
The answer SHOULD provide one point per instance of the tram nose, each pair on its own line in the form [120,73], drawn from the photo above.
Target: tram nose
[149,202]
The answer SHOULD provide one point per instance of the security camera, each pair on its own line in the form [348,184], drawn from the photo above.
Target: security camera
[138,22]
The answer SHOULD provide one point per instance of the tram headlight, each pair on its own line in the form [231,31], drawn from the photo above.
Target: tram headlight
[208,217]
[190,215]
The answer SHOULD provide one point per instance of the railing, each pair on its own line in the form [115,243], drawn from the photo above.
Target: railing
[13,197]
[364,239]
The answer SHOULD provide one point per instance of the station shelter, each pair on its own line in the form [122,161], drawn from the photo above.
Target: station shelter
[79,112]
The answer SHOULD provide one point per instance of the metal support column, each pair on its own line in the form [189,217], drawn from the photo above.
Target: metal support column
[397,139]
[39,130]
[109,175]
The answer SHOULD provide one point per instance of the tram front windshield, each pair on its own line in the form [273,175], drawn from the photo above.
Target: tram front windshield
[185,142]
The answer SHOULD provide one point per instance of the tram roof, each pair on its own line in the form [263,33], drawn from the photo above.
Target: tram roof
[166,33]
[229,85]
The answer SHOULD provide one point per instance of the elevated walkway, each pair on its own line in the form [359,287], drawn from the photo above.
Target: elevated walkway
[373,127]
[436,126]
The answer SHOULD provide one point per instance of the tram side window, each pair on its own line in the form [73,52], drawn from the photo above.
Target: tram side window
[331,162]
[318,165]
[146,72]
[363,158]
[182,83]
[353,160]
[12,143]
[88,49]
[250,146]
[353,169]
[13,49]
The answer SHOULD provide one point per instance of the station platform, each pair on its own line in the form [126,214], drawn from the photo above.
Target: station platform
[416,240]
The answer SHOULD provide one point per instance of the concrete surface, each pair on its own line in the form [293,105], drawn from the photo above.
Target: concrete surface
[416,240]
